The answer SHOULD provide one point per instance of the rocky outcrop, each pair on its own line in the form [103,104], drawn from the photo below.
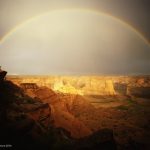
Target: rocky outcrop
[139,88]
[2,75]
[26,86]
[62,106]
[46,95]
[21,117]
[142,92]
[40,113]
[87,85]
[72,85]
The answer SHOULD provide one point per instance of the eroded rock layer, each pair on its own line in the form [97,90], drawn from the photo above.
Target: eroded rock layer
[89,85]
[76,112]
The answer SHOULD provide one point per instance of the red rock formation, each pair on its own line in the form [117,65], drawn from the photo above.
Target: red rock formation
[61,106]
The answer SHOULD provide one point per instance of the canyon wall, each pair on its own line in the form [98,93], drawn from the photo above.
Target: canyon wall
[90,85]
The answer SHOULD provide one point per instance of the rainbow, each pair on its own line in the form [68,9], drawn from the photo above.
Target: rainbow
[132,28]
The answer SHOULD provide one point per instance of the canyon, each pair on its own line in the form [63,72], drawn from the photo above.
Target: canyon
[90,85]
[77,112]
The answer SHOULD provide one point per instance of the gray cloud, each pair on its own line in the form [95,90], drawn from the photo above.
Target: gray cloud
[74,42]
[135,12]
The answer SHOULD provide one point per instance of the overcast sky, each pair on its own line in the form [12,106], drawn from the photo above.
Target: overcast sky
[133,12]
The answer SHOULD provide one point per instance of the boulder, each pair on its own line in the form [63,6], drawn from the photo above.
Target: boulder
[2,75]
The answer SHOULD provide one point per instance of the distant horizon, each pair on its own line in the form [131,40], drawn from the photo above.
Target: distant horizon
[79,74]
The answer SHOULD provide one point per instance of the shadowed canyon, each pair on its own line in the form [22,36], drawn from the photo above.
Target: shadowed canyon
[75,112]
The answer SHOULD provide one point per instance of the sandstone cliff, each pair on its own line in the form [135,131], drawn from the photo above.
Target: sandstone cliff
[90,85]
[72,85]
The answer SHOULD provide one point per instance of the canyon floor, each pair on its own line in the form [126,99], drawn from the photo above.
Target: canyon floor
[100,113]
